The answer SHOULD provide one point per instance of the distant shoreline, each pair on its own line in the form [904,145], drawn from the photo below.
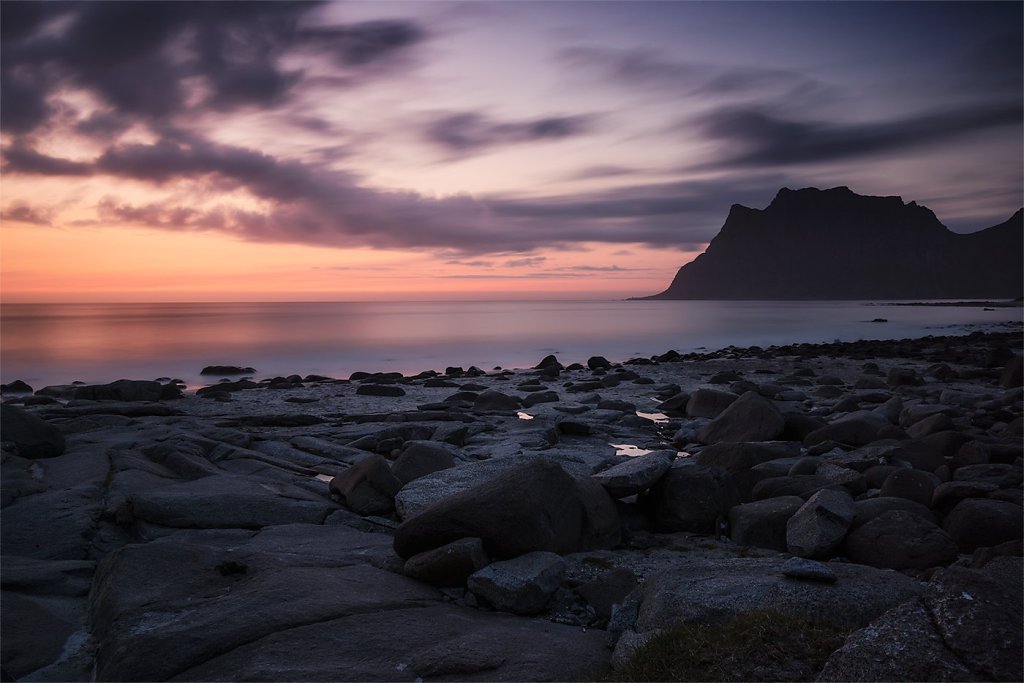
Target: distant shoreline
[972,304]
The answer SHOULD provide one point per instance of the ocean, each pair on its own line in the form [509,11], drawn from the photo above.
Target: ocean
[45,344]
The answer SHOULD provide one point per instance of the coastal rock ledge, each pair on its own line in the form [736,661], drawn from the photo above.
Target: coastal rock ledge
[559,522]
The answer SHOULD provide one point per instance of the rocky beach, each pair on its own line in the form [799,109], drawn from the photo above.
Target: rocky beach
[546,523]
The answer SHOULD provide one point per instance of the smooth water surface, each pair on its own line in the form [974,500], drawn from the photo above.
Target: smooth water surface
[58,343]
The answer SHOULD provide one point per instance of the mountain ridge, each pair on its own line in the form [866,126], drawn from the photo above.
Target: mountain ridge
[816,244]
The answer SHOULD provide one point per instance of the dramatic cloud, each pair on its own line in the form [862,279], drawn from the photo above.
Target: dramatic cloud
[756,137]
[145,59]
[20,212]
[469,132]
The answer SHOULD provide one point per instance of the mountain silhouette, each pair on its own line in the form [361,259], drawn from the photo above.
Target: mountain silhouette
[836,244]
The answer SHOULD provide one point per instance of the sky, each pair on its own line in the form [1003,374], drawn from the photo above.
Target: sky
[203,151]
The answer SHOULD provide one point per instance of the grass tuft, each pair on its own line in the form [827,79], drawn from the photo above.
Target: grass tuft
[761,645]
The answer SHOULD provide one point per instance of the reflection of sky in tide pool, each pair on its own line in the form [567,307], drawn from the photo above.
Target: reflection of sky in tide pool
[53,344]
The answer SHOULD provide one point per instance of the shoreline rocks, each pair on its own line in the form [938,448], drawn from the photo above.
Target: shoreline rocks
[442,523]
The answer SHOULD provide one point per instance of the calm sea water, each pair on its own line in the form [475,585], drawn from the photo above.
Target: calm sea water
[58,343]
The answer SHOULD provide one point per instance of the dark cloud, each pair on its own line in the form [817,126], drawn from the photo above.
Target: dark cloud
[21,159]
[525,262]
[469,132]
[142,58]
[758,137]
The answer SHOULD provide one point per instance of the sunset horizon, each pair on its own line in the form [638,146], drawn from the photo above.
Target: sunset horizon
[388,151]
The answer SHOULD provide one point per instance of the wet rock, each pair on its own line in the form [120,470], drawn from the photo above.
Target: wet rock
[738,456]
[817,529]
[763,523]
[930,425]
[900,540]
[948,494]
[368,487]
[226,388]
[856,429]
[421,493]
[635,474]
[34,437]
[976,523]
[596,362]
[523,585]
[539,397]
[751,417]
[449,565]
[690,497]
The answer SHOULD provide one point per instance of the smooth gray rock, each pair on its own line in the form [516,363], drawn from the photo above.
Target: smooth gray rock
[492,400]
[709,590]
[420,458]
[523,585]
[709,402]
[229,501]
[916,485]
[900,540]
[869,508]
[533,506]
[1003,476]
[763,523]
[738,456]
[128,390]
[817,529]
[635,474]
[751,417]
[977,523]
[690,497]
[419,494]
[53,525]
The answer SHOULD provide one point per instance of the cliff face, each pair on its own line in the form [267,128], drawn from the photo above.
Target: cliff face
[835,244]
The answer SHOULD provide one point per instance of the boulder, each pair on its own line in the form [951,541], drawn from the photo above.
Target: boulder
[900,540]
[964,627]
[855,429]
[977,523]
[34,437]
[690,497]
[532,506]
[751,417]
[808,570]
[803,485]
[709,402]
[915,485]
[763,523]
[128,390]
[1003,476]
[939,422]
[420,458]
[636,474]
[539,397]
[492,400]
[817,529]
[449,565]
[15,387]
[598,362]
[738,456]
[523,585]
[948,494]
[224,370]
[367,487]
[869,508]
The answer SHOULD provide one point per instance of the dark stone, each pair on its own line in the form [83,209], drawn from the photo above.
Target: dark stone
[495,401]
[690,497]
[709,402]
[128,390]
[900,540]
[751,417]
[380,390]
[735,456]
[226,370]
[977,523]
[420,458]
[817,529]
[1013,374]
[914,485]
[368,487]
[15,387]
[608,591]
[1003,476]
[34,437]
[533,506]
[595,362]
[866,510]
[449,565]
[948,494]
[763,523]
[538,397]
